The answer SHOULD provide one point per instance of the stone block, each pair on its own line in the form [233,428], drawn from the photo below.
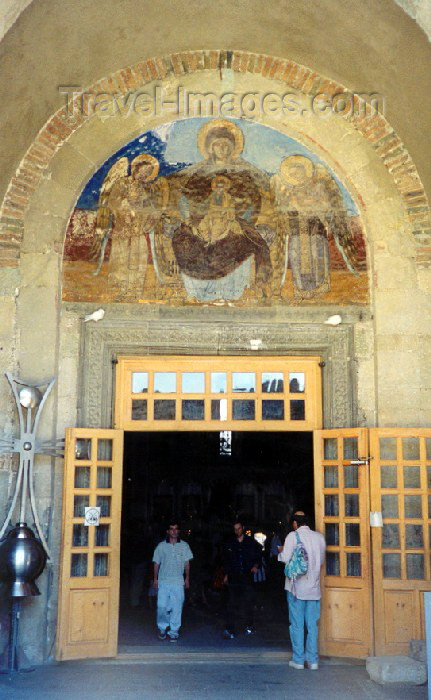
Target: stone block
[386,670]
[418,650]
[9,280]
[44,232]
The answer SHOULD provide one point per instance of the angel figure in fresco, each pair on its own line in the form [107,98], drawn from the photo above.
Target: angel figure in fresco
[309,207]
[215,206]
[130,210]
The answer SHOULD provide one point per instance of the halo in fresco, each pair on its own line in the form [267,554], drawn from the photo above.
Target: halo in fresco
[206,211]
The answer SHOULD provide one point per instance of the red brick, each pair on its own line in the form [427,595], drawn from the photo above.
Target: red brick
[191,61]
[293,74]
[11,235]
[214,59]
[16,197]
[372,134]
[308,86]
[48,139]
[303,79]
[38,158]
[290,67]
[9,263]
[330,88]
[388,143]
[200,60]
[274,68]
[22,186]
[101,85]
[43,150]
[281,69]
[236,61]
[73,119]
[143,70]
[28,174]
[8,253]
[419,199]
[11,208]
[258,64]
[162,67]
[243,62]
[393,164]
[267,66]
[252,59]
[120,81]
[299,77]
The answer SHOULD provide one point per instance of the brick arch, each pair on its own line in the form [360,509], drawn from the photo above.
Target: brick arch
[375,129]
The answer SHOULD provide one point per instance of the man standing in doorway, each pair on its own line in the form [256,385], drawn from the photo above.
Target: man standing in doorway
[242,557]
[171,575]
[303,594]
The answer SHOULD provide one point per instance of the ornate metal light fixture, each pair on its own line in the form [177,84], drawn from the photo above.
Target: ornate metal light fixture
[22,555]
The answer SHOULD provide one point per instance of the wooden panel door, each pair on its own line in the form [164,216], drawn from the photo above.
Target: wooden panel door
[90,554]
[341,488]
[401,491]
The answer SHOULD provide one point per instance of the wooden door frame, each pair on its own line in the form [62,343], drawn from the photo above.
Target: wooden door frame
[400,599]
[354,593]
[243,358]
[88,603]
[178,366]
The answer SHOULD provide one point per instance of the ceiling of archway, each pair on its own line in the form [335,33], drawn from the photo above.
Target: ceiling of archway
[419,10]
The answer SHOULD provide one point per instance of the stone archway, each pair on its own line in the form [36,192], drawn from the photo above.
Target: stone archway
[64,156]
[373,128]
[369,156]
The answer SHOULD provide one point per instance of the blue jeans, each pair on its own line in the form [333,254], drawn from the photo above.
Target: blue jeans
[303,613]
[170,600]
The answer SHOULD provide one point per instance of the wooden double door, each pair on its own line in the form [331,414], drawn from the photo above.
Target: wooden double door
[373,578]
[373,504]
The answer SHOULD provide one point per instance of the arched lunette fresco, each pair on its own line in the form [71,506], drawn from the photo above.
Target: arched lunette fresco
[208,210]
[374,129]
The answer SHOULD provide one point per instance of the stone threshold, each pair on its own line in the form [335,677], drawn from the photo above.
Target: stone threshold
[174,654]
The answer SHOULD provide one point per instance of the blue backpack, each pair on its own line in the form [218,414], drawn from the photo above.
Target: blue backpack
[298,563]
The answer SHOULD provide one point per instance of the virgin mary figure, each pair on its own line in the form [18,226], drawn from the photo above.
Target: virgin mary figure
[218,242]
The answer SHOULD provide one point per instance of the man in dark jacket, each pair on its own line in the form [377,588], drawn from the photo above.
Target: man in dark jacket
[242,557]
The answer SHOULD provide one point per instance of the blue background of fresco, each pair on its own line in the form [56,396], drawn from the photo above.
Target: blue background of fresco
[175,147]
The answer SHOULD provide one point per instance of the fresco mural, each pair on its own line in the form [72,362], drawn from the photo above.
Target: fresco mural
[210,211]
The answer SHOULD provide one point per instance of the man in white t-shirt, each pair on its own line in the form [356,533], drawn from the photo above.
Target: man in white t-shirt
[303,594]
[171,576]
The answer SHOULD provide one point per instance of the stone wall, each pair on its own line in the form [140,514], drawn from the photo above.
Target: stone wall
[387,356]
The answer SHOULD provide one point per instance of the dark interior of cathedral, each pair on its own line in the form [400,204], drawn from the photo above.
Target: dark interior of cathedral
[208,481]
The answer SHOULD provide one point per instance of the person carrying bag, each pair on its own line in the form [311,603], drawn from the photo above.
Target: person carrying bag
[303,553]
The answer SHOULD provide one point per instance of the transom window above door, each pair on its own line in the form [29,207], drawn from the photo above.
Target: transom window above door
[218,393]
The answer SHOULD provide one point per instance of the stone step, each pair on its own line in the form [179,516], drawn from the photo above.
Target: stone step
[386,670]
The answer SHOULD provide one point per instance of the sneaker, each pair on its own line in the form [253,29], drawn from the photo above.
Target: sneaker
[250,630]
[162,634]
[173,639]
[227,634]
[313,667]
[293,664]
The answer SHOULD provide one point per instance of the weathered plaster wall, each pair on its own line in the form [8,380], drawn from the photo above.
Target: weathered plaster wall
[372,46]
